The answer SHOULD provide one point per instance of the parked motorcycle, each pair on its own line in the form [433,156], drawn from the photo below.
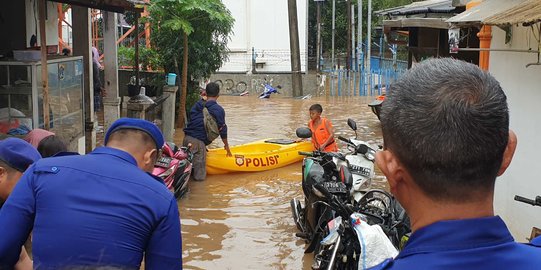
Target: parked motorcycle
[360,161]
[175,168]
[268,89]
[375,105]
[535,236]
[358,238]
[318,168]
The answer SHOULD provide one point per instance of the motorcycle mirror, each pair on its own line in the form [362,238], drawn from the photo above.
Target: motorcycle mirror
[352,124]
[303,132]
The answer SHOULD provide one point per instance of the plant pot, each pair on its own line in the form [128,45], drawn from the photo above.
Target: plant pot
[133,90]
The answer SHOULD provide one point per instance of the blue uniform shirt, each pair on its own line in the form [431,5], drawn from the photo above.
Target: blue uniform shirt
[93,210]
[481,243]
[196,126]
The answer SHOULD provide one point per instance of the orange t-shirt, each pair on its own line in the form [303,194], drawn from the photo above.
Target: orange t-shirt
[320,134]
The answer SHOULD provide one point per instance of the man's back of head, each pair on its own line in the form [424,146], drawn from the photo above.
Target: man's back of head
[140,138]
[212,89]
[447,121]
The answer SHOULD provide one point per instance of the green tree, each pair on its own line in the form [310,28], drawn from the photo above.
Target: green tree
[190,31]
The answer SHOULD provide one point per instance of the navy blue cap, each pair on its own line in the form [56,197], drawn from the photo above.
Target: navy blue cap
[18,154]
[139,124]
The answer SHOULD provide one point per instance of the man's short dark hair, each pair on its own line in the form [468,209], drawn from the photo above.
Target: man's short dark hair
[448,123]
[125,133]
[212,89]
[316,107]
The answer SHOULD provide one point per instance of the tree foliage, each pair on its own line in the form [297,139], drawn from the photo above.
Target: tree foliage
[207,23]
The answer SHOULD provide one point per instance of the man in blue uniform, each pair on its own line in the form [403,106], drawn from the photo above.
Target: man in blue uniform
[102,209]
[445,127]
[195,134]
[15,157]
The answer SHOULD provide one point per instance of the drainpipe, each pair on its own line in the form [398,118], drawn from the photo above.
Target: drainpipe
[485,37]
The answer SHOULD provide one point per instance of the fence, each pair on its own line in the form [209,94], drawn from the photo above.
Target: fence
[383,72]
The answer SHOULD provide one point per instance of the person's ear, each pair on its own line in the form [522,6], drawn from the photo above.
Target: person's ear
[149,158]
[390,166]
[509,152]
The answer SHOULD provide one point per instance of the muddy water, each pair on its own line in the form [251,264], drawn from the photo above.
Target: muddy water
[243,221]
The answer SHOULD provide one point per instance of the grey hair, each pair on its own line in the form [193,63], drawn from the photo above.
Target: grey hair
[448,123]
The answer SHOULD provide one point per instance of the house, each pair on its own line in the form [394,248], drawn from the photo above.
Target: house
[424,25]
[260,40]
[514,61]
[40,88]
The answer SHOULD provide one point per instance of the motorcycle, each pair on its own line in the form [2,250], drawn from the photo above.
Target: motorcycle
[360,161]
[351,241]
[535,236]
[268,89]
[175,168]
[318,168]
[375,105]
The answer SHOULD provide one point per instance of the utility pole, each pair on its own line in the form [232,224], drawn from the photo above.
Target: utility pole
[360,30]
[318,39]
[352,37]
[348,43]
[296,79]
[333,30]
[368,45]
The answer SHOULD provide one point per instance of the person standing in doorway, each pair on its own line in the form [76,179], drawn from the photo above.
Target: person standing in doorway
[195,133]
[322,130]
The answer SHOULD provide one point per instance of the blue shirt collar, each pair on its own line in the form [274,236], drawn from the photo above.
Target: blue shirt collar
[457,234]
[115,152]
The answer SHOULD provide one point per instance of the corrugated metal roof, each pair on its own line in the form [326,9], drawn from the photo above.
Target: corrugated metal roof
[421,7]
[488,8]
[527,13]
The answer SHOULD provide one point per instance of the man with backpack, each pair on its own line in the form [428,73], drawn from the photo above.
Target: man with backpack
[207,122]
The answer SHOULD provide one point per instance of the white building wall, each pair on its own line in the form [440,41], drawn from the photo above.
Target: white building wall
[32,22]
[264,25]
[523,88]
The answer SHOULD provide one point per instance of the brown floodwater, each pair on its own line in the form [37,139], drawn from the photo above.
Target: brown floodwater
[243,220]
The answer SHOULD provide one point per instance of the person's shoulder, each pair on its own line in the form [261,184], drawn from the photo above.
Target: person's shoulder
[386,264]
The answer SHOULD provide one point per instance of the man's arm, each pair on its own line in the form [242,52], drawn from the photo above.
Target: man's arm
[164,251]
[17,218]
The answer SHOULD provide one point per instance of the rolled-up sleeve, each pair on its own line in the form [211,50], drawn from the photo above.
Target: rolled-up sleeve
[219,114]
[17,219]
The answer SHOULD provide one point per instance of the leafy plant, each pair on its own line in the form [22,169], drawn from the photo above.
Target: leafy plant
[190,31]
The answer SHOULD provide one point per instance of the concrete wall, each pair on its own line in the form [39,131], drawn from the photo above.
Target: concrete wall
[264,25]
[32,20]
[522,86]
[234,83]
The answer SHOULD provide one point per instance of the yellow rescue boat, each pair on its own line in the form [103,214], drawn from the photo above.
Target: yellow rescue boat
[256,156]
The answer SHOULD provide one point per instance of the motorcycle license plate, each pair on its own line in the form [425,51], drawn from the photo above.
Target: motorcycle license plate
[163,162]
[335,187]
[360,170]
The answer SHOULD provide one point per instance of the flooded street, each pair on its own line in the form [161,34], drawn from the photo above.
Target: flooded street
[243,220]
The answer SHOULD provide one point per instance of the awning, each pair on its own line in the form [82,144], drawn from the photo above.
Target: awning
[439,23]
[485,10]
[119,6]
[429,14]
[526,13]
[421,7]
